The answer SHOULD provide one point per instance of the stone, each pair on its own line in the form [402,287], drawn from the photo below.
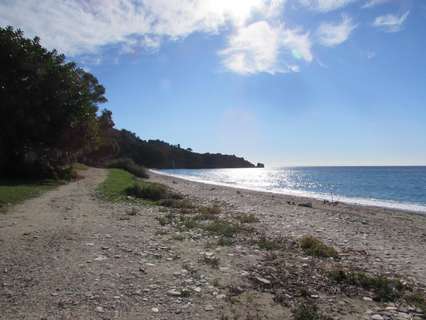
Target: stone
[376,317]
[263,280]
[209,307]
[99,309]
[155,310]
[174,293]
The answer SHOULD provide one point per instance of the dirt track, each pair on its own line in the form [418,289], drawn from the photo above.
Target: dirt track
[69,255]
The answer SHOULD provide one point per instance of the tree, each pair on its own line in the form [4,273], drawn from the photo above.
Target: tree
[48,107]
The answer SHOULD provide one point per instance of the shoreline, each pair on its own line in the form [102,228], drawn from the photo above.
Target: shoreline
[407,208]
[380,240]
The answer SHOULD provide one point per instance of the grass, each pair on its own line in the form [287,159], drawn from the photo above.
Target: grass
[211,210]
[115,185]
[385,289]
[268,244]
[247,218]
[148,191]
[130,166]
[316,248]
[15,191]
[120,184]
[308,312]
[211,261]
[166,219]
[417,300]
[222,228]
[176,203]
[79,166]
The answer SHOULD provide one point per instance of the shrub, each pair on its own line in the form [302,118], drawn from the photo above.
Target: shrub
[247,218]
[308,312]
[385,289]
[130,166]
[148,191]
[268,244]
[316,248]
[214,209]
[222,228]
[177,203]
[416,299]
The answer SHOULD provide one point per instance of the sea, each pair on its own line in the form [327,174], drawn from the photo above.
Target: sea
[398,187]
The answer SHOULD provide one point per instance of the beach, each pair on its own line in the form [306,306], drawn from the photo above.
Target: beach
[227,254]
[379,239]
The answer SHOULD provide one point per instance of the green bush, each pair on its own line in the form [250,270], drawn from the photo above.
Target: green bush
[385,289]
[308,312]
[130,166]
[148,191]
[316,248]
[222,228]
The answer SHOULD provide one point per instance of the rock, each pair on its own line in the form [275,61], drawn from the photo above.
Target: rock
[100,258]
[367,299]
[155,310]
[209,307]
[263,280]
[376,317]
[99,309]
[174,293]
[305,204]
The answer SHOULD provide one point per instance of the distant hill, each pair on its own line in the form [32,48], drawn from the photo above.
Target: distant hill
[162,155]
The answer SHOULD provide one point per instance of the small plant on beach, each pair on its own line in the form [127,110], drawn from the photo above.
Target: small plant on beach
[268,244]
[148,191]
[225,242]
[222,228]
[166,219]
[316,248]
[247,218]
[211,261]
[384,288]
[187,223]
[176,203]
[306,311]
[416,299]
[211,210]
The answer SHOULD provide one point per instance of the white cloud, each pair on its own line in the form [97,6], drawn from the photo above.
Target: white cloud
[262,47]
[373,3]
[325,5]
[81,27]
[333,34]
[390,22]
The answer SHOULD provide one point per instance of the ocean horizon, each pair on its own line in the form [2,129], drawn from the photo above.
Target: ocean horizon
[395,187]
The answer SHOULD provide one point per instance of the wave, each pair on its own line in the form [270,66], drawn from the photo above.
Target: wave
[405,206]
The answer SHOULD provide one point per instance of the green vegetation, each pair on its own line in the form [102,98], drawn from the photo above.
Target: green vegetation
[316,248]
[12,192]
[225,242]
[166,219]
[247,218]
[385,289]
[211,261]
[148,191]
[129,165]
[222,228]
[49,110]
[416,299]
[268,244]
[115,185]
[211,210]
[177,203]
[308,312]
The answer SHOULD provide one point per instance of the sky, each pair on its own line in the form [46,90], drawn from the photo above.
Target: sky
[283,82]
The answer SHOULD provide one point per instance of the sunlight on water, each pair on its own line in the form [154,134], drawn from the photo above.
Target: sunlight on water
[395,187]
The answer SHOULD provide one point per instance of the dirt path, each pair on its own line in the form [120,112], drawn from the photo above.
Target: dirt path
[69,255]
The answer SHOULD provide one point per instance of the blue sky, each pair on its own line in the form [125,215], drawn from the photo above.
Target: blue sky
[296,82]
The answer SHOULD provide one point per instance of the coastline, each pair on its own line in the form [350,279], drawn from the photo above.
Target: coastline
[378,239]
[408,208]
